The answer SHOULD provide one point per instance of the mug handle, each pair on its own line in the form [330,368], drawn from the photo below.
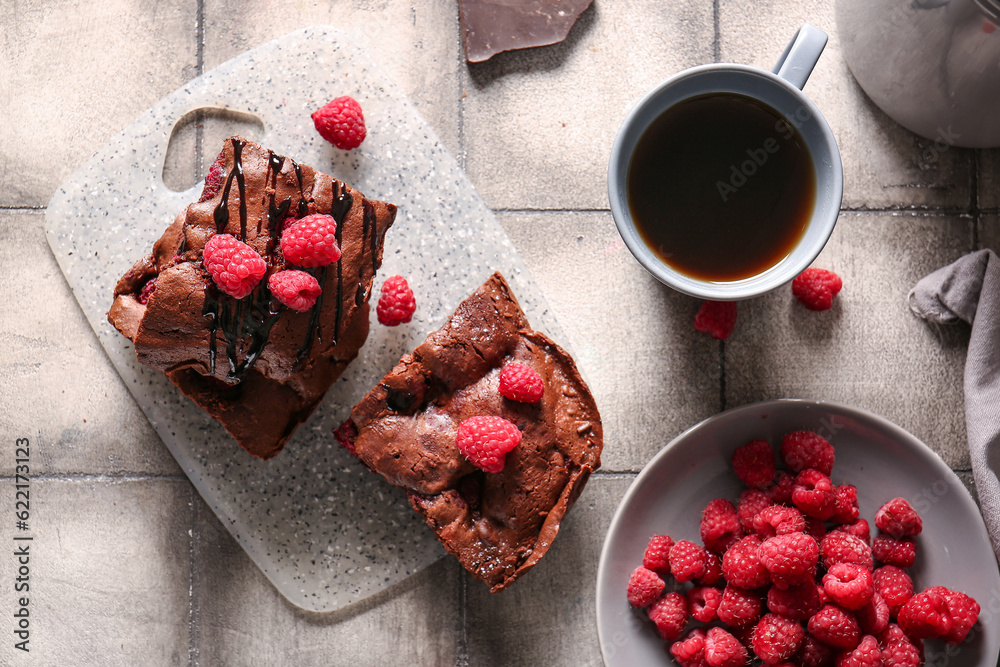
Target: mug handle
[800,56]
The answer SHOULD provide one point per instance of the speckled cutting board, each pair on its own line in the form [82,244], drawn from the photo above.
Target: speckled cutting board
[326,532]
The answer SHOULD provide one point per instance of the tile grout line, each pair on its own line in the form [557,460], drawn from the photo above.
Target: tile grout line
[462,650]
[194,601]
[722,376]
[950,210]
[199,68]
[974,199]
[99,477]
[717,32]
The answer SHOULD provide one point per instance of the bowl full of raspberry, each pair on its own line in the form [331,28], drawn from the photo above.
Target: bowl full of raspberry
[794,532]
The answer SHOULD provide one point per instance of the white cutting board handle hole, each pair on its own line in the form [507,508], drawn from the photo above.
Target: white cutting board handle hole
[185,165]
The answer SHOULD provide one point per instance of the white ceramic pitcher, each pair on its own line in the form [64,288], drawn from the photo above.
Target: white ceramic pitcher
[931,65]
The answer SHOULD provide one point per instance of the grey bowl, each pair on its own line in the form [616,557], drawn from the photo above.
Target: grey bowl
[881,459]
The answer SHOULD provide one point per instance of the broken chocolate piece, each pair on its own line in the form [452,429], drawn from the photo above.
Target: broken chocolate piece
[492,26]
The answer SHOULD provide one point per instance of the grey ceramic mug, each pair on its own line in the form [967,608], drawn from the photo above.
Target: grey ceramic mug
[780,89]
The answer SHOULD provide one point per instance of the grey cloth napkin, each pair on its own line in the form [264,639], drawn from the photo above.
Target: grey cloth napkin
[969,290]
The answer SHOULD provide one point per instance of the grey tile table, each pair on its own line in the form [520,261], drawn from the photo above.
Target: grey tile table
[134,569]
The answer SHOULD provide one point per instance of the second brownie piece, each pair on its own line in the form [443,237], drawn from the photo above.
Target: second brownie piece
[497,525]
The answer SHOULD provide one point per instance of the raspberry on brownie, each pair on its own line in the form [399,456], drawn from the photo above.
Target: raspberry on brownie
[257,355]
[498,525]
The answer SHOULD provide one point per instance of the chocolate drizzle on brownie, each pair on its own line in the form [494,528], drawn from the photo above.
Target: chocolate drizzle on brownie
[278,362]
[303,204]
[221,214]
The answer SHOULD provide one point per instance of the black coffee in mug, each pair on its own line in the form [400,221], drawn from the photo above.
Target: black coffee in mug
[721,187]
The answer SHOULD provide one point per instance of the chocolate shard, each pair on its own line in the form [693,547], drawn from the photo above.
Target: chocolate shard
[492,26]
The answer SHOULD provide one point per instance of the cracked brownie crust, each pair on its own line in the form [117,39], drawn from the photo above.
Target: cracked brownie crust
[497,525]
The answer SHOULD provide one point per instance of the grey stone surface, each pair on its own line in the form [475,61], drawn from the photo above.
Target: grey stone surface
[652,374]
[74,74]
[109,572]
[869,350]
[243,620]
[57,386]
[539,123]
[989,232]
[130,572]
[419,48]
[885,165]
[547,618]
[989,178]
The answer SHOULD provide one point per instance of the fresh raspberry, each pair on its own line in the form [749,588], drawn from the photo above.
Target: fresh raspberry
[720,526]
[722,649]
[925,615]
[835,627]
[790,559]
[213,180]
[894,633]
[840,547]
[739,608]
[849,585]
[867,654]
[754,464]
[485,441]
[964,612]
[858,528]
[899,519]
[690,651]
[713,570]
[796,602]
[235,267]
[703,603]
[750,504]
[801,450]
[395,303]
[815,288]
[716,318]
[781,490]
[846,508]
[814,653]
[311,241]
[147,291]
[814,494]
[778,520]
[741,564]
[669,613]
[815,528]
[890,551]
[296,289]
[901,653]
[656,556]
[777,638]
[873,618]
[341,122]
[894,585]
[517,382]
[687,561]
[644,587]
[346,434]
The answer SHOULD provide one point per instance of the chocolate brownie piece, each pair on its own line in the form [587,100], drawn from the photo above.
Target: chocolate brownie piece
[256,366]
[497,525]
